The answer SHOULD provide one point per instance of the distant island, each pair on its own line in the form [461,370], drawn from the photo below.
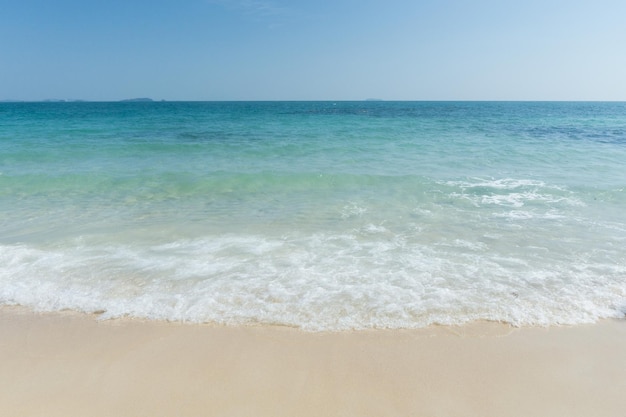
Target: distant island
[373,99]
[136,99]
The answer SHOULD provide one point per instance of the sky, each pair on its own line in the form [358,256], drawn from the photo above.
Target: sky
[313,50]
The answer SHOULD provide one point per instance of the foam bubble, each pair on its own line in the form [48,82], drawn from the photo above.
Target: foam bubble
[352,210]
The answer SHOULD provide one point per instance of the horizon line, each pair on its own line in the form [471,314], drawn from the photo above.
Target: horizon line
[149,100]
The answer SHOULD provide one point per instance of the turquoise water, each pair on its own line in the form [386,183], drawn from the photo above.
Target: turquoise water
[319,215]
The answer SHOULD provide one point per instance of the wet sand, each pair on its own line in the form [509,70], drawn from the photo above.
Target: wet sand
[69,364]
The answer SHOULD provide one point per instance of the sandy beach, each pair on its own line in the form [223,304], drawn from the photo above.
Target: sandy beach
[69,364]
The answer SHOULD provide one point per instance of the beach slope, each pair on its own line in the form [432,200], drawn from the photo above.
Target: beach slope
[68,364]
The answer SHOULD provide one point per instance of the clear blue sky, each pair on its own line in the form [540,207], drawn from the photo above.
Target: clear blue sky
[313,50]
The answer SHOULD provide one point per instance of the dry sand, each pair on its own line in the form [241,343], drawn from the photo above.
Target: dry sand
[68,364]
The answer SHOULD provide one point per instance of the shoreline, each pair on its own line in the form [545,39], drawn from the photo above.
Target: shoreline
[70,364]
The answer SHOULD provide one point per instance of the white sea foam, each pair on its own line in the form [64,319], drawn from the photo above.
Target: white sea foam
[512,193]
[316,282]
[529,215]
[501,183]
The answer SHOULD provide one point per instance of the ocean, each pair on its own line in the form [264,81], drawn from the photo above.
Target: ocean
[317,215]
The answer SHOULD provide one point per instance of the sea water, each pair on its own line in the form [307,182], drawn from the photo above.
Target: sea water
[319,215]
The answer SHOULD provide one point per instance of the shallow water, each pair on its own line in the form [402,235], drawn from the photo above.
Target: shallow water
[320,215]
